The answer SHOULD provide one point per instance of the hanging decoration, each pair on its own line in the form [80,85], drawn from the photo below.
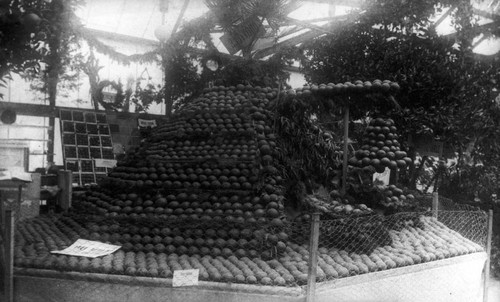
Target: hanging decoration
[93,42]
[162,33]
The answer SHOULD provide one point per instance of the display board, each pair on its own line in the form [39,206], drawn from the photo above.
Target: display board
[85,137]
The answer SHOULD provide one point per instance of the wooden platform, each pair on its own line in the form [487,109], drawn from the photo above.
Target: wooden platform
[453,279]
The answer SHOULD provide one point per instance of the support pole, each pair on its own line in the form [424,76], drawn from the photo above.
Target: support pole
[51,132]
[8,274]
[19,197]
[346,145]
[2,210]
[435,204]
[488,254]
[313,258]
[64,182]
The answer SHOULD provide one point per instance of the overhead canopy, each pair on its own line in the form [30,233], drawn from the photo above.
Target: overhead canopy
[306,19]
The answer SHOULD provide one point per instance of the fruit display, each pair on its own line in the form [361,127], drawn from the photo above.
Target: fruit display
[380,148]
[212,163]
[206,190]
[395,197]
[410,245]
[333,208]
[346,88]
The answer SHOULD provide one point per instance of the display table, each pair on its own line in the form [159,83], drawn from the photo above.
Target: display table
[452,279]
[449,280]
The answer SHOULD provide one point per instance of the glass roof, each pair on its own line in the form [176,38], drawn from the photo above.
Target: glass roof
[136,18]
[139,19]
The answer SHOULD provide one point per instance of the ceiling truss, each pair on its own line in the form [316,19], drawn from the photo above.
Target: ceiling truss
[292,35]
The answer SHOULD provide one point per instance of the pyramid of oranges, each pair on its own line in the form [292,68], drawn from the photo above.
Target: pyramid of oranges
[211,166]
[381,148]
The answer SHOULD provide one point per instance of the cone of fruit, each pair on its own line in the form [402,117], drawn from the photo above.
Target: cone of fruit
[381,147]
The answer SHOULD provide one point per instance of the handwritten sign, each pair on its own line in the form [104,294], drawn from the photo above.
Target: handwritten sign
[88,248]
[7,143]
[187,277]
[146,123]
[105,163]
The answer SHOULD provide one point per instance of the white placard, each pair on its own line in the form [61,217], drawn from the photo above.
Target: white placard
[15,173]
[7,143]
[383,177]
[88,248]
[105,163]
[187,277]
[146,123]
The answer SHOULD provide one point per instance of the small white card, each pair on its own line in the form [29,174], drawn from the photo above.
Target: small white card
[187,277]
[105,163]
[384,177]
[146,123]
[88,248]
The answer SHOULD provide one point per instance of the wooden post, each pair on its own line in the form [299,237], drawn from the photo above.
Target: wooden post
[313,258]
[435,204]
[64,181]
[8,273]
[488,255]
[346,146]
[19,198]
[1,213]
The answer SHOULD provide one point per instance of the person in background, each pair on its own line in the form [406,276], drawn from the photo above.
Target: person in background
[49,189]
[52,168]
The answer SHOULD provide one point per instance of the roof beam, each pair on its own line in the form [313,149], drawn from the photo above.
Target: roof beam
[181,15]
[444,16]
[309,25]
[290,42]
[486,14]
[479,41]
[311,34]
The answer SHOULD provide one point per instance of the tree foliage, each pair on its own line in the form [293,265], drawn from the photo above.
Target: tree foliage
[185,54]
[39,42]
[446,91]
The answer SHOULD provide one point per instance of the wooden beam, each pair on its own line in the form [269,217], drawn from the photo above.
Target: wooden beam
[483,37]
[305,36]
[30,109]
[46,111]
[446,14]
[486,14]
[181,15]
[308,24]
[290,42]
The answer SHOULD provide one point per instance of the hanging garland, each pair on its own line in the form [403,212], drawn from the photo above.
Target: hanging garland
[147,57]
